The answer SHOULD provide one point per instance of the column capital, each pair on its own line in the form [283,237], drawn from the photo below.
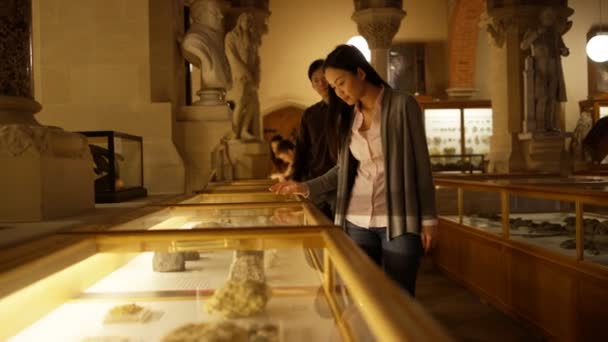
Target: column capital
[518,18]
[378,25]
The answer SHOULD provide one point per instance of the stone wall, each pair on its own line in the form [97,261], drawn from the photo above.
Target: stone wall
[98,66]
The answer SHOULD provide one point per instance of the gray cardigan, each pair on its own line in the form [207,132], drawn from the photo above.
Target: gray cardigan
[410,194]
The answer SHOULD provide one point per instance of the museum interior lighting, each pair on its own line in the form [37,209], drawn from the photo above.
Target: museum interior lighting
[360,43]
[597,46]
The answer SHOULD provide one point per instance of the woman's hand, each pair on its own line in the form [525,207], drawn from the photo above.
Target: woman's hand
[277,176]
[290,187]
[429,237]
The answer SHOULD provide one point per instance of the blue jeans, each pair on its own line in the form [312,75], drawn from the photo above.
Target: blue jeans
[399,257]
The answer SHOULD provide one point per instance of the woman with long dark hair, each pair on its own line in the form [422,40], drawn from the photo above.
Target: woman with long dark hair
[385,193]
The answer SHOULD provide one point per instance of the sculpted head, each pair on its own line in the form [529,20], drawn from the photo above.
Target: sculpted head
[548,17]
[245,22]
[207,12]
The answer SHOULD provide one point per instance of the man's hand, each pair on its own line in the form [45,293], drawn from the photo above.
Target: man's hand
[429,237]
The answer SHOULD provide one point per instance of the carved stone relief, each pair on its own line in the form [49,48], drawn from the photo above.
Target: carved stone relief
[17,140]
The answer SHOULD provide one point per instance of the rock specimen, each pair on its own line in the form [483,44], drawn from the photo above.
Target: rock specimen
[168,262]
[239,298]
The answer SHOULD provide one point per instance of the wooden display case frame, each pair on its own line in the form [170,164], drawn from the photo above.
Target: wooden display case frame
[29,272]
[562,297]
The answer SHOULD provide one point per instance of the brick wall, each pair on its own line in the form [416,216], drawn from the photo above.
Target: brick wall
[462,42]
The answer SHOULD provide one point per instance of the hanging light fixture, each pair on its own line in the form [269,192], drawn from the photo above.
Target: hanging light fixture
[597,46]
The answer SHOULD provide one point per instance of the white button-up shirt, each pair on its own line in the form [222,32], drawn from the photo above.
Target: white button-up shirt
[367,206]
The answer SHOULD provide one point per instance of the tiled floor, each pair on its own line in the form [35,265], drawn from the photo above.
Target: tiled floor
[463,314]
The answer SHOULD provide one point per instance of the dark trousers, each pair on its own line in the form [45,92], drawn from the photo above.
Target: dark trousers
[400,257]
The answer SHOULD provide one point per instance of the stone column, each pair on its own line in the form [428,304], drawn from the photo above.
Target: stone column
[506,25]
[379,25]
[46,172]
[17,104]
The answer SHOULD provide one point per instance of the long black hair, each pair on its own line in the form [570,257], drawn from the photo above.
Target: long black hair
[350,59]
[592,140]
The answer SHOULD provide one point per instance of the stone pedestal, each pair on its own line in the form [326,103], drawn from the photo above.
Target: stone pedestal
[209,149]
[249,159]
[46,173]
[543,152]
[201,128]
[379,26]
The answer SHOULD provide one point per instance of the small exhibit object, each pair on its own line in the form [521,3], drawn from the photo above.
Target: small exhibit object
[129,313]
[239,298]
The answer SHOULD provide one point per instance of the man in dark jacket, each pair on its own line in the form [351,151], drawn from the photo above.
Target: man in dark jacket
[313,156]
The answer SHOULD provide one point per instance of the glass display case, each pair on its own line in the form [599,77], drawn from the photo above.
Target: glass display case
[240,197]
[252,185]
[458,134]
[118,165]
[224,215]
[533,246]
[247,284]
[552,213]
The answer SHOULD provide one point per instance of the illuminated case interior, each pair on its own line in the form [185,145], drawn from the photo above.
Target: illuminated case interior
[173,268]
[458,134]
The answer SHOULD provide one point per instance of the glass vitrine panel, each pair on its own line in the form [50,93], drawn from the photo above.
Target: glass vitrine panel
[175,286]
[595,234]
[477,130]
[240,197]
[482,210]
[543,222]
[218,216]
[117,165]
[443,131]
[447,203]
[268,292]
[129,160]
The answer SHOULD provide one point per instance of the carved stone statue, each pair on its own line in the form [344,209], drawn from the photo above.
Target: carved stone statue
[583,126]
[545,87]
[203,46]
[242,51]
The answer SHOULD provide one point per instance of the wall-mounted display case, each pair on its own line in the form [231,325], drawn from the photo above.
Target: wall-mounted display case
[118,165]
[458,134]
[525,243]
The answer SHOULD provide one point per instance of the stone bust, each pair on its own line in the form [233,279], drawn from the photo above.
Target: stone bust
[203,46]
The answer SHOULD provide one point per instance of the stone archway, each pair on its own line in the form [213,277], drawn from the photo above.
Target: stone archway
[462,46]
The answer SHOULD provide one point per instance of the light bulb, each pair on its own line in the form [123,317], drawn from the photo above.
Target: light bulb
[361,44]
[597,47]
